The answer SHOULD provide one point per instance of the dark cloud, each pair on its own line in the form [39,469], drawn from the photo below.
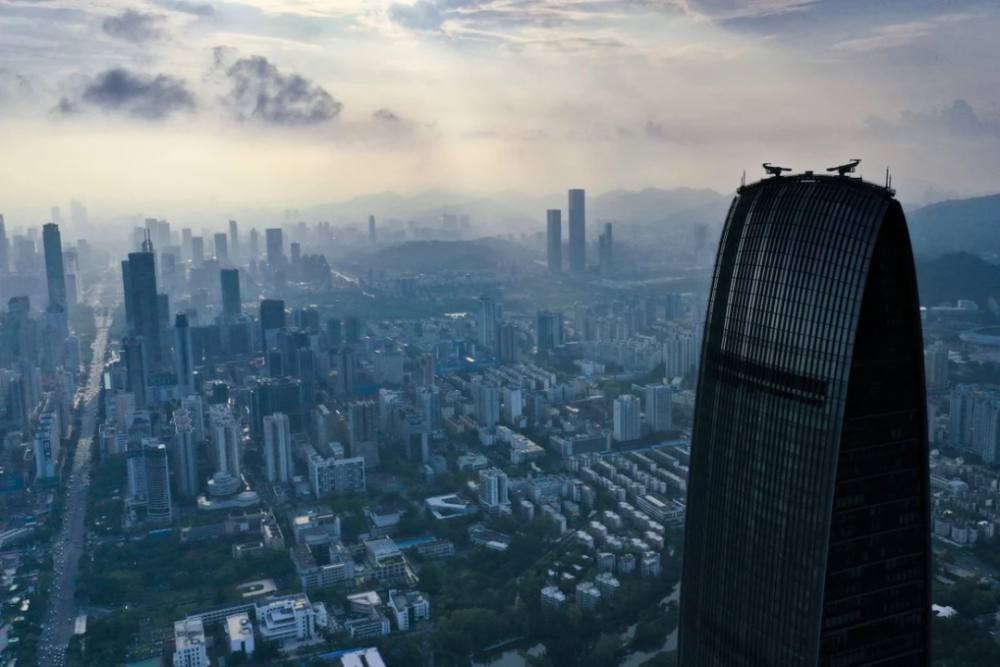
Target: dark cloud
[386,116]
[193,8]
[257,90]
[138,95]
[133,26]
[957,119]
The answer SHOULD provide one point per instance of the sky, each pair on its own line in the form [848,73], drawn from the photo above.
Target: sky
[169,105]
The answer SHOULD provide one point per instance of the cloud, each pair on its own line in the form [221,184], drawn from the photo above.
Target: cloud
[957,119]
[13,85]
[421,15]
[138,95]
[259,91]
[896,35]
[135,27]
[185,7]
[386,116]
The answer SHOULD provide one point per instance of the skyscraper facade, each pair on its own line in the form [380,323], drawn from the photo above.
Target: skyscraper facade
[184,355]
[807,532]
[553,241]
[222,249]
[231,300]
[185,453]
[486,321]
[4,248]
[274,239]
[55,274]
[577,231]
[140,294]
[278,448]
[234,241]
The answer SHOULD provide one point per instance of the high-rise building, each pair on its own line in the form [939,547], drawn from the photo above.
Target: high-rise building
[553,239]
[195,407]
[184,355]
[254,245]
[936,366]
[486,321]
[550,330]
[234,241]
[507,349]
[4,248]
[197,251]
[659,407]
[222,249]
[605,245]
[226,438]
[493,488]
[158,501]
[577,231]
[371,229]
[275,241]
[295,252]
[272,318]
[807,531]
[47,445]
[185,453]
[353,330]
[486,403]
[278,448]
[231,299]
[55,273]
[140,293]
[362,422]
[627,421]
[136,373]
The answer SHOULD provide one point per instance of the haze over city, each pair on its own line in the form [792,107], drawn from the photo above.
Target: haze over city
[177,107]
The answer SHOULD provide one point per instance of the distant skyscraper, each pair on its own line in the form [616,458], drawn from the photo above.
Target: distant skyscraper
[278,448]
[362,422]
[275,247]
[55,273]
[486,403]
[222,249]
[605,244]
[507,349]
[141,295]
[231,300]
[807,538]
[226,438]
[4,248]
[134,355]
[554,239]
[577,231]
[627,418]
[550,331]
[55,215]
[353,330]
[197,251]
[272,318]
[186,453]
[184,355]
[254,244]
[486,321]
[234,241]
[158,501]
[295,251]
[659,407]
[371,229]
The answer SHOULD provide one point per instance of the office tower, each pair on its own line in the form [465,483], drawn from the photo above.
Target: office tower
[55,274]
[185,448]
[432,405]
[222,249]
[605,253]
[660,407]
[254,245]
[334,333]
[345,363]
[549,327]
[272,395]
[936,365]
[197,251]
[512,404]
[506,343]
[184,355]
[234,241]
[47,445]
[353,330]
[272,318]
[140,292]
[275,247]
[626,418]
[486,321]
[278,448]
[807,531]
[577,231]
[371,229]
[493,488]
[425,370]
[226,438]
[134,354]
[231,298]
[195,407]
[4,248]
[158,502]
[554,239]
[185,244]
[295,251]
[362,421]
[486,403]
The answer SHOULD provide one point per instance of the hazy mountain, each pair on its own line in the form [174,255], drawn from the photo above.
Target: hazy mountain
[958,225]
[955,276]
[433,256]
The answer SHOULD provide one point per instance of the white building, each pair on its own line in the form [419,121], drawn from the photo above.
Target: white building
[239,631]
[333,475]
[553,598]
[278,447]
[406,607]
[486,401]
[368,657]
[493,489]
[627,418]
[189,643]
[659,407]
[290,618]
[47,446]
[225,436]
[512,403]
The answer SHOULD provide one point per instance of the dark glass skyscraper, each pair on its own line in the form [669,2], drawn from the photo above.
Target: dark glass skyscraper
[553,239]
[231,300]
[55,274]
[139,277]
[807,538]
[275,241]
[577,231]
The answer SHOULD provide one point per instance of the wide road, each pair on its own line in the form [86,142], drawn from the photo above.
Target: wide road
[67,545]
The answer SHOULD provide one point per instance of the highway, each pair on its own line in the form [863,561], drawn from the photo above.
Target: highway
[67,545]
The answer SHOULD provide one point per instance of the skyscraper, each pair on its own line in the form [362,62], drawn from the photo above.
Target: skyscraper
[231,299]
[605,253]
[659,407]
[371,229]
[158,501]
[55,273]
[254,244]
[553,240]
[626,418]
[577,231]
[222,249]
[486,321]
[275,247]
[185,453]
[550,331]
[807,533]
[197,251]
[272,318]
[234,241]
[4,248]
[184,355]
[277,448]
[140,293]
[134,354]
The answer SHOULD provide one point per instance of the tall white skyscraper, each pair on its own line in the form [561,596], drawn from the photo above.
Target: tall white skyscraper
[278,447]
[225,436]
[158,500]
[194,406]
[659,407]
[186,453]
[627,418]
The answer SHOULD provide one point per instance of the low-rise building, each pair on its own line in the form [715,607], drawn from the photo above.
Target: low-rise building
[384,559]
[436,549]
[189,643]
[553,598]
[588,597]
[239,631]
[289,618]
[409,608]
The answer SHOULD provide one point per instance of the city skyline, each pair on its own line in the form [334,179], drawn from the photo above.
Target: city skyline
[166,84]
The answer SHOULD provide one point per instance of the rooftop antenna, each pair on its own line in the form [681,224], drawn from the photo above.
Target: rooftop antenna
[774,170]
[887,178]
[147,243]
[743,179]
[845,169]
